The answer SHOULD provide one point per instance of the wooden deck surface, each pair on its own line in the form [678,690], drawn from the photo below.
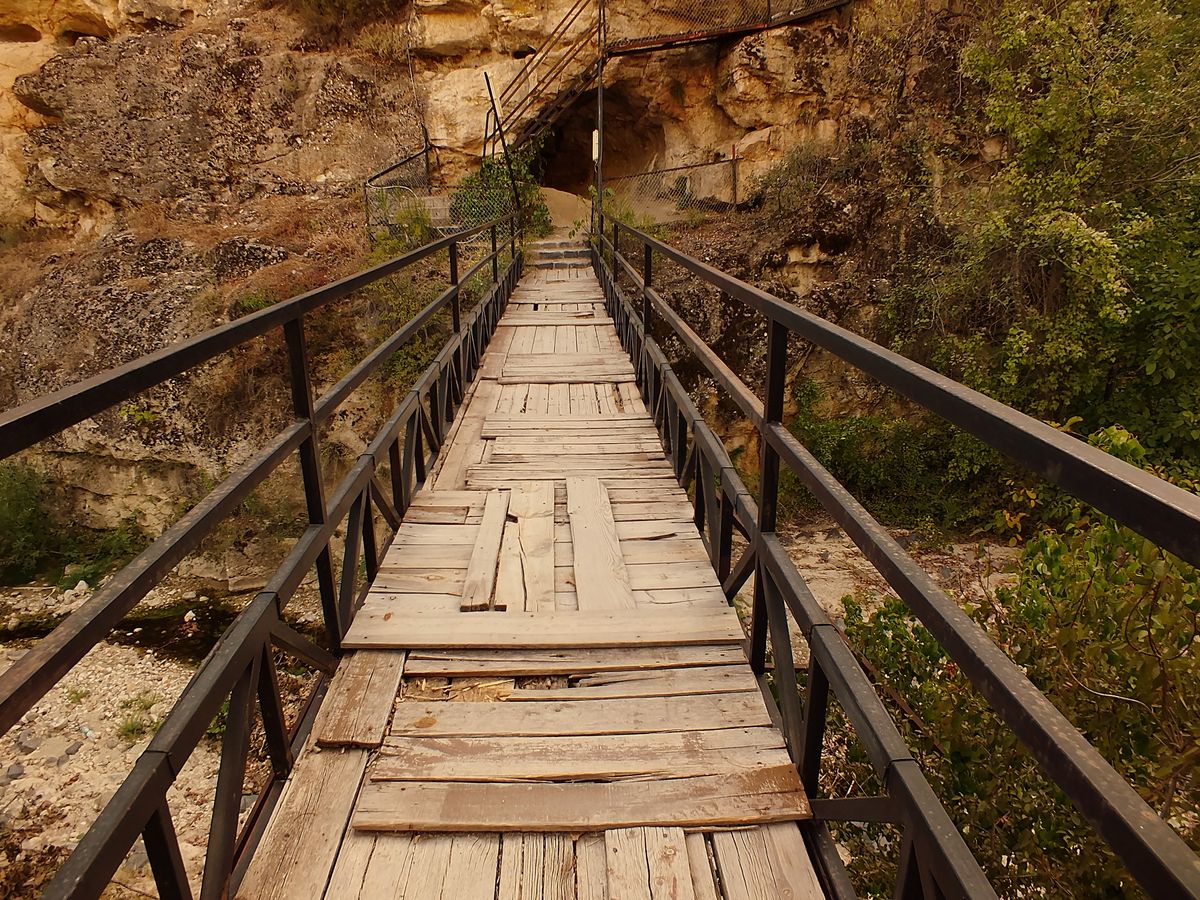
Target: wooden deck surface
[547,695]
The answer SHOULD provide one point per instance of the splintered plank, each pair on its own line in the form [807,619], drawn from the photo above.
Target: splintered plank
[633,715]
[579,757]
[359,701]
[298,848]
[654,683]
[601,579]
[533,506]
[744,798]
[648,864]
[704,882]
[536,867]
[480,579]
[381,624]
[510,574]
[466,663]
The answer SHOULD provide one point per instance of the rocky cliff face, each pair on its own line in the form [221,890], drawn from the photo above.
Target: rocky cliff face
[170,162]
[178,156]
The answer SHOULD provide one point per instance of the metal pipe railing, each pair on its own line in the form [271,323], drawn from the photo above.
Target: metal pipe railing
[934,852]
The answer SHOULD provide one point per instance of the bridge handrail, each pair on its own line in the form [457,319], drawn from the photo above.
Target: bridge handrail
[1164,513]
[240,666]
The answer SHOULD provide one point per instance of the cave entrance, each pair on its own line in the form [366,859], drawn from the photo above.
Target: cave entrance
[633,141]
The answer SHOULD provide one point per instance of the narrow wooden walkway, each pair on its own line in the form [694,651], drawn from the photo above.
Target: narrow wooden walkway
[548,695]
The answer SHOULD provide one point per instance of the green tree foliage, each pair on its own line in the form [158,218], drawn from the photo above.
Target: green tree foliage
[1073,289]
[1105,624]
[25,534]
[33,542]
[487,193]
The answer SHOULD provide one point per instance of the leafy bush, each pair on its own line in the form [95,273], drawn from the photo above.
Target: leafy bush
[487,193]
[897,462]
[32,543]
[26,536]
[1073,288]
[1105,624]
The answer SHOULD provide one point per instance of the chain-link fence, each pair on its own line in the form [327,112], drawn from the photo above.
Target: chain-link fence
[680,193]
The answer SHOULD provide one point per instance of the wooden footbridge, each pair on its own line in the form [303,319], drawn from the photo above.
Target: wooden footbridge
[532,682]
[547,684]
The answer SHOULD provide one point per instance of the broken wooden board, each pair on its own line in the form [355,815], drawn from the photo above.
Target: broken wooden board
[359,701]
[578,757]
[463,663]
[601,579]
[745,798]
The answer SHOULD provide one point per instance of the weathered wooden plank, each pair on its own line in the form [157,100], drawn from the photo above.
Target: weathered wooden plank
[591,874]
[791,866]
[497,351]
[465,444]
[650,683]
[634,715]
[638,552]
[625,862]
[600,576]
[742,864]
[548,377]
[367,862]
[578,757]
[764,795]
[462,663]
[359,701]
[667,861]
[471,871]
[704,882]
[430,862]
[380,625]
[533,506]
[536,867]
[297,852]
[479,580]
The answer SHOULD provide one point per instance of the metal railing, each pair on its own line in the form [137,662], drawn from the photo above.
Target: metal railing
[241,668]
[935,861]
[392,197]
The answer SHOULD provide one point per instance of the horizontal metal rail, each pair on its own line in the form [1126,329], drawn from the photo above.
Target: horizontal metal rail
[1162,512]
[240,669]
[25,425]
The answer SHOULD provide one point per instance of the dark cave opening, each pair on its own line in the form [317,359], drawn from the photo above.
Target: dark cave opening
[633,141]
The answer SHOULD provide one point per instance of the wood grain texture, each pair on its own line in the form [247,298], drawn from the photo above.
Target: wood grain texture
[766,795]
[607,757]
[571,661]
[359,701]
[601,579]
[381,625]
[479,580]
[636,715]
[296,855]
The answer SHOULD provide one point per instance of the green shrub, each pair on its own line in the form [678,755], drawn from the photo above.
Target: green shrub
[1104,624]
[26,536]
[487,193]
[897,462]
[96,553]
